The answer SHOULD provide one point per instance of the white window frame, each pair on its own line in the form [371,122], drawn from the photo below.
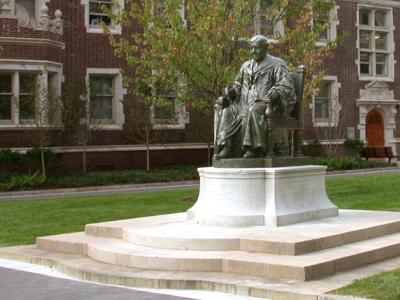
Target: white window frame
[335,106]
[332,30]
[119,91]
[42,69]
[390,45]
[114,29]
[179,122]
[278,28]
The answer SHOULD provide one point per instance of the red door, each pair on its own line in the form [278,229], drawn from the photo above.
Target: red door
[375,130]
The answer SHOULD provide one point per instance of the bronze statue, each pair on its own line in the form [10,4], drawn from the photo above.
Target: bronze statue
[263,90]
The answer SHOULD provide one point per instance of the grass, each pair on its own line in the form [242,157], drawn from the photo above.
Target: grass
[22,221]
[384,286]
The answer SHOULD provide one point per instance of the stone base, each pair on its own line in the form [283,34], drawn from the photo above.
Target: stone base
[261,196]
[299,261]
[267,162]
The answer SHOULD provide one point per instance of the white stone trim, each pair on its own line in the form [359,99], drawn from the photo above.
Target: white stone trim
[114,29]
[182,118]
[388,3]
[42,68]
[332,34]
[126,148]
[32,41]
[119,92]
[335,106]
[390,42]
[377,96]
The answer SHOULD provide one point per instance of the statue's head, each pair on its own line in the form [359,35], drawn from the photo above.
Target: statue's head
[259,47]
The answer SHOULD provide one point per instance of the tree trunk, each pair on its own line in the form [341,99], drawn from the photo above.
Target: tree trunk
[43,162]
[84,163]
[147,149]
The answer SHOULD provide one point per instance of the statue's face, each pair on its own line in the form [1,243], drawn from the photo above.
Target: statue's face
[258,51]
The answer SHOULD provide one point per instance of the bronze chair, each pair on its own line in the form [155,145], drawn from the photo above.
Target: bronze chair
[294,122]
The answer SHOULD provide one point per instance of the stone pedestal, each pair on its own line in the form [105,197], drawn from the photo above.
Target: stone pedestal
[261,196]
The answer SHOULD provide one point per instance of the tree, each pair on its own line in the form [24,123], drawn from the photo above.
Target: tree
[196,47]
[39,108]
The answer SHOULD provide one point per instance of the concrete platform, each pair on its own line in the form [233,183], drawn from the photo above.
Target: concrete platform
[262,261]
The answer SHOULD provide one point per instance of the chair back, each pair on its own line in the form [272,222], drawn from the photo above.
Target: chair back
[298,79]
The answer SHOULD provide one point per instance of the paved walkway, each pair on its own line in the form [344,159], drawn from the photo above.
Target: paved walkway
[151,187]
[20,285]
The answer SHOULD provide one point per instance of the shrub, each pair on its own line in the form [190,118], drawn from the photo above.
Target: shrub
[9,157]
[34,155]
[354,146]
[22,181]
[313,149]
[347,163]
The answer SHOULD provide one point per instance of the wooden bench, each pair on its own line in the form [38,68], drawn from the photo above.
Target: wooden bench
[378,152]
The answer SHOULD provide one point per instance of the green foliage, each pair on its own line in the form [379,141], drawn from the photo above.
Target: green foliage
[9,157]
[70,180]
[35,156]
[21,181]
[313,149]
[199,56]
[347,163]
[354,146]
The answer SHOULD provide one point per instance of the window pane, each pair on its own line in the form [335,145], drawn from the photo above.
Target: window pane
[380,40]
[165,110]
[364,17]
[381,58]
[101,108]
[5,84]
[365,39]
[27,83]
[29,5]
[380,18]
[324,91]
[26,107]
[381,65]
[365,57]
[264,5]
[101,86]
[5,107]
[321,108]
[267,27]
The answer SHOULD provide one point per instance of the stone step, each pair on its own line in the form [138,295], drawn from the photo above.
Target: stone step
[85,268]
[302,267]
[175,232]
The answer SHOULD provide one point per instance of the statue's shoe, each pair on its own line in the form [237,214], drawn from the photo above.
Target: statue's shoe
[225,153]
[249,154]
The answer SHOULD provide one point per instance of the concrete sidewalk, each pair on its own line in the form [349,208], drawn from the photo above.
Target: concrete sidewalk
[152,187]
[20,285]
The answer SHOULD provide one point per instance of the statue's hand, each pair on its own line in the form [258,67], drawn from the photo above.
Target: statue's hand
[223,101]
[272,95]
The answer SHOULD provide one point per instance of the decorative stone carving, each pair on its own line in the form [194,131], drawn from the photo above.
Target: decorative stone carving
[44,23]
[377,96]
[5,8]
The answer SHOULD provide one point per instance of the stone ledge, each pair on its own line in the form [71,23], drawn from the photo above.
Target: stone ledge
[267,162]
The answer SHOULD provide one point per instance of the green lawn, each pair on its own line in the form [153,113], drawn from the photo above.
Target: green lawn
[21,222]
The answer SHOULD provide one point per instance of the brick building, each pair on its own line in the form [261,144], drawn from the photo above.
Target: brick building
[54,43]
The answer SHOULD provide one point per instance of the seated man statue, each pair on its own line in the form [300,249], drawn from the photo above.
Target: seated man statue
[263,89]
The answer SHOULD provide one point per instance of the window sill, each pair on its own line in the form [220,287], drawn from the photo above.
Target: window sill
[324,124]
[375,78]
[168,126]
[105,127]
[100,30]
[27,127]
